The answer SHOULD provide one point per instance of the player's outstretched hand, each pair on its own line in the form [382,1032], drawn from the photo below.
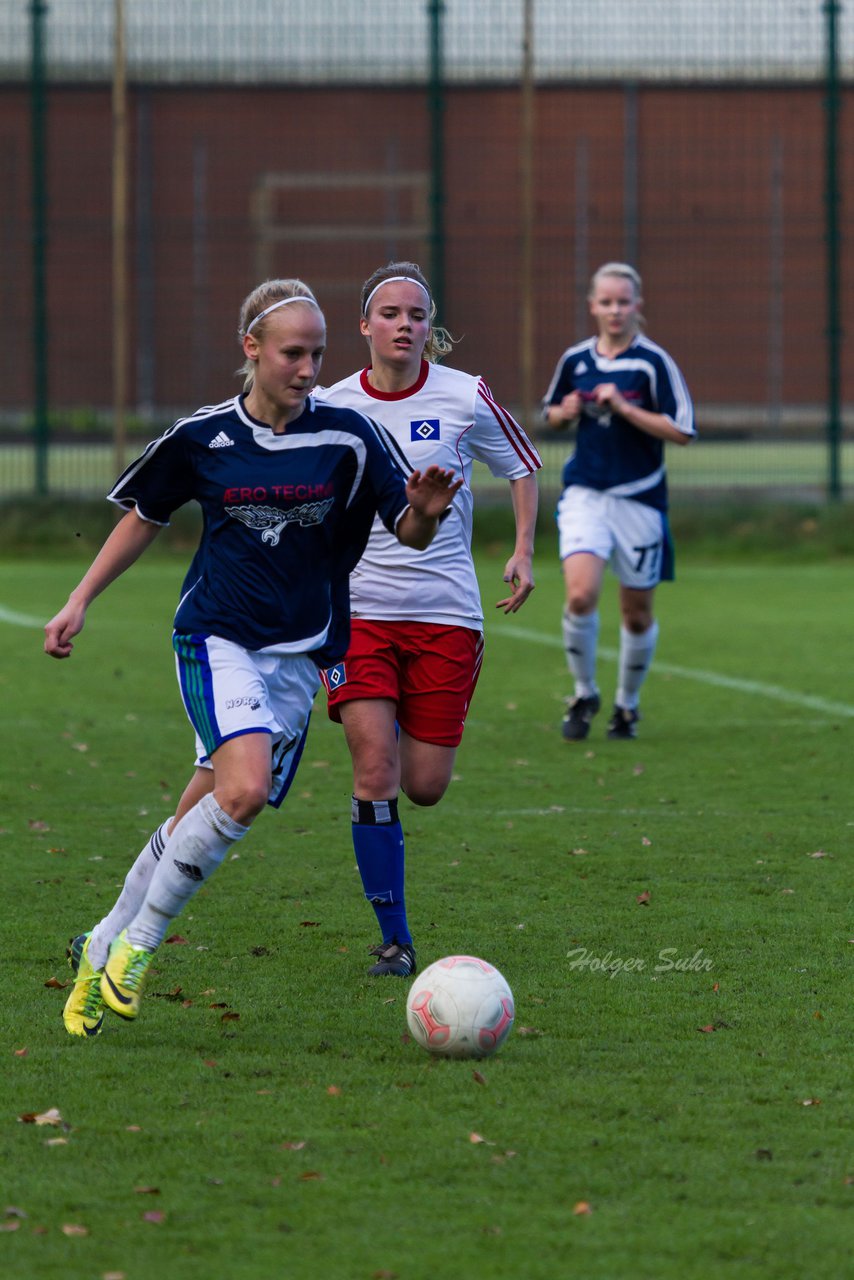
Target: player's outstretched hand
[59,631]
[519,573]
[431,491]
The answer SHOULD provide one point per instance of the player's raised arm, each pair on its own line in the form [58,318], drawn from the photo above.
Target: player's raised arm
[125,545]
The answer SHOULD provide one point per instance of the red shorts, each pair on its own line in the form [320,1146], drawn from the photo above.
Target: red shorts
[428,670]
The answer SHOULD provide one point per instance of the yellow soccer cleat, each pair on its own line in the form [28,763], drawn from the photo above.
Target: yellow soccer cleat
[123,977]
[84,1008]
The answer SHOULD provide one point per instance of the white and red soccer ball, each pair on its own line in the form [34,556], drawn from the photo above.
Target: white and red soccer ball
[460,1007]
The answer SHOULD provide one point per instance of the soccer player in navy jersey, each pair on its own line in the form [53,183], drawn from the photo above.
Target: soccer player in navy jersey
[288,489]
[626,397]
[403,690]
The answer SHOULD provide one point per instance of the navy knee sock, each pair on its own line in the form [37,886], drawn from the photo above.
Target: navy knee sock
[378,844]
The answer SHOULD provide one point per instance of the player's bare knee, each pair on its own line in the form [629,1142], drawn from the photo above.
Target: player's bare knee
[581,603]
[424,795]
[638,623]
[244,801]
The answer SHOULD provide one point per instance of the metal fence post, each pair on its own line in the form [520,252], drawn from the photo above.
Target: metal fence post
[38,153]
[436,105]
[834,329]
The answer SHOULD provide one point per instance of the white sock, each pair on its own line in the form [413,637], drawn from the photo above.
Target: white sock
[192,854]
[580,638]
[130,899]
[636,653]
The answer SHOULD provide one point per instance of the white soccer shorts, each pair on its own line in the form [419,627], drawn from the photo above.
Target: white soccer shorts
[228,690]
[632,537]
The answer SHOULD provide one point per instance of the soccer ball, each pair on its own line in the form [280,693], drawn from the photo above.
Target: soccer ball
[460,1007]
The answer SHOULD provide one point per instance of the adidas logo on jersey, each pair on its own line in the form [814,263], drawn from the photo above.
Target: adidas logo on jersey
[581,367]
[221,441]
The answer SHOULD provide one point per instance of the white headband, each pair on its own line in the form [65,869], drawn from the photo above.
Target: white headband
[388,280]
[283,302]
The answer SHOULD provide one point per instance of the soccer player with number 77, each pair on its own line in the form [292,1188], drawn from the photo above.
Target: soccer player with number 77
[626,397]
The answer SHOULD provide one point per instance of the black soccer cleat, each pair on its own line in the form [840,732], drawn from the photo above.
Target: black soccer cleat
[577,717]
[396,959]
[622,723]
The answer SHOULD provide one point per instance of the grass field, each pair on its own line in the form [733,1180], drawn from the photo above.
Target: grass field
[673,914]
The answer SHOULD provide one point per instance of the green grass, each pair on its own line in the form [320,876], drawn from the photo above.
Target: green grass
[694,1149]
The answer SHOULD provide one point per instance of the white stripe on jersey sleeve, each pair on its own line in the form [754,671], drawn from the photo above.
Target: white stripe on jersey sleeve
[208,411]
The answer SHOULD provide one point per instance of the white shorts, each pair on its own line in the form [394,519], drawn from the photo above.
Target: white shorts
[228,691]
[632,537]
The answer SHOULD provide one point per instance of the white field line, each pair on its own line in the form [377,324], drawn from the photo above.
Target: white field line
[755,688]
[19,619]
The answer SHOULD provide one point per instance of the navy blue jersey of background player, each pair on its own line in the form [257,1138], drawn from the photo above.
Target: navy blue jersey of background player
[611,455]
[271,505]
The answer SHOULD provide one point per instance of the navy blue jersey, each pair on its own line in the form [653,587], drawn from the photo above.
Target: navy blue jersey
[286,518]
[610,454]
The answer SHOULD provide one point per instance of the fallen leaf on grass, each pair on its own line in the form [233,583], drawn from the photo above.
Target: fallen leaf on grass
[208,1062]
[36,824]
[643,898]
[176,940]
[645,840]
[154,1215]
[334,1090]
[384,1275]
[51,1116]
[710,1027]
[12,1211]
[74,1229]
[811,1102]
[56,1142]
[528,1031]
[55,983]
[476,1138]
[820,853]
[478,1078]
[147,1191]
[763,1153]
[114,1275]
[311,1175]
[20,1053]
[12,1224]
[293,1146]
[582,1209]
[309,924]
[230,1017]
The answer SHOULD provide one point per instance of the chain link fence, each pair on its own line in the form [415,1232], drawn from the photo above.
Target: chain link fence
[158,158]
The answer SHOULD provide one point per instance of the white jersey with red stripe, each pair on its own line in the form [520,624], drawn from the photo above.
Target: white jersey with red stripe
[448,419]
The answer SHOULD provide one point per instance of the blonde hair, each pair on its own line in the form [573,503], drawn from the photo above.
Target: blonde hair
[439,342]
[262,297]
[624,271]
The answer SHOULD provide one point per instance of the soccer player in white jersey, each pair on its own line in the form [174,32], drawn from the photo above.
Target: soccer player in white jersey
[403,690]
[626,397]
[288,489]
